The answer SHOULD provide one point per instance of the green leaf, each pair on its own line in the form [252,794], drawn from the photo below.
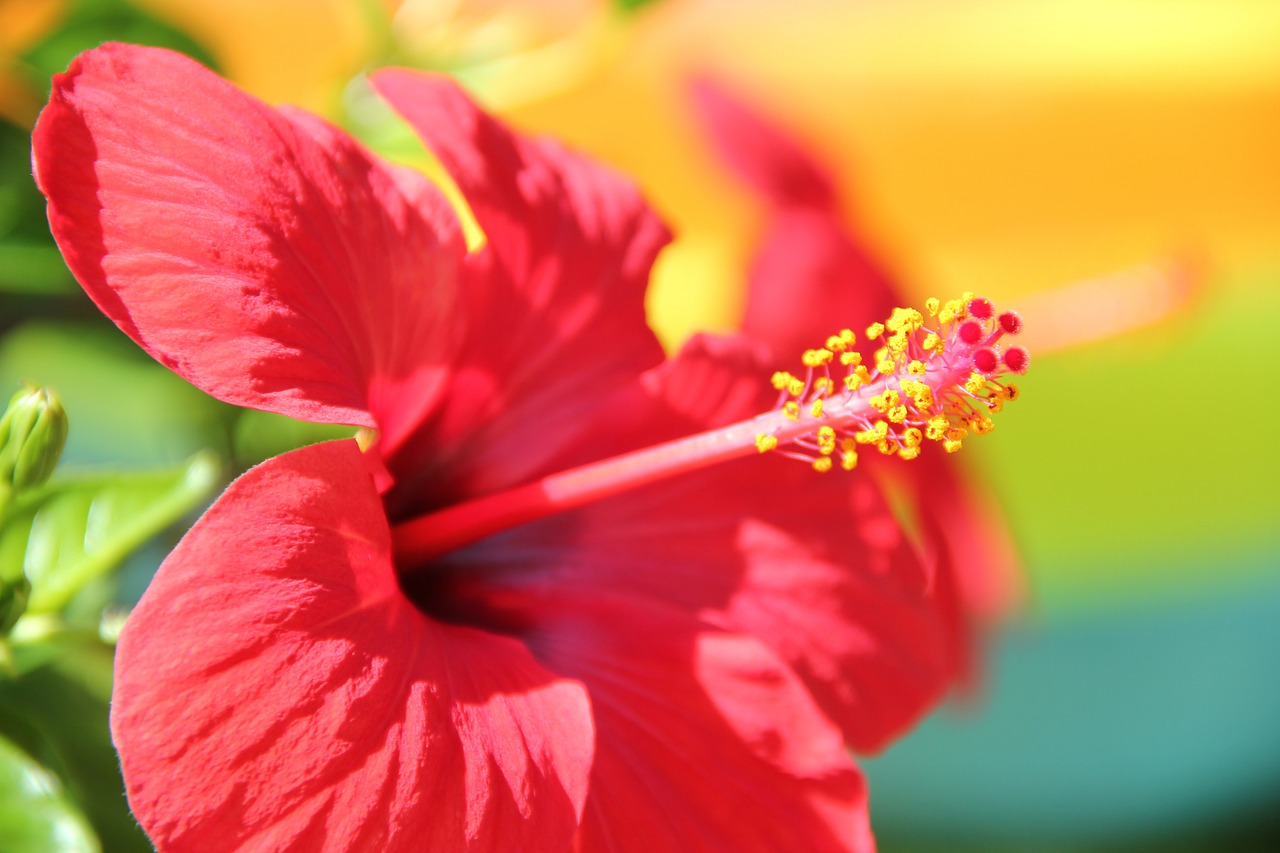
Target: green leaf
[74,531]
[58,715]
[35,815]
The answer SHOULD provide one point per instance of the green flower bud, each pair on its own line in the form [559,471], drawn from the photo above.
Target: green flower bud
[33,431]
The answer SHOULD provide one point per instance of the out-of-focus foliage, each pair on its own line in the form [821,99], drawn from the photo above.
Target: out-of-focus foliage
[35,817]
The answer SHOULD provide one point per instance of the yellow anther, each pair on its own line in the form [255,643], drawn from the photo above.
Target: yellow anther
[848,337]
[930,341]
[817,357]
[791,409]
[981,424]
[897,344]
[909,453]
[781,379]
[848,445]
[897,414]
[886,366]
[912,437]
[887,448]
[826,440]
[995,404]
[822,464]
[795,387]
[860,376]
[835,343]
[875,330]
[904,319]
[886,400]
[874,435]
[936,428]
[916,367]
[956,433]
[951,445]
[1011,392]
[822,386]
[946,315]
[765,443]
[816,409]
[848,358]
[932,305]
[967,297]
[976,383]
[849,460]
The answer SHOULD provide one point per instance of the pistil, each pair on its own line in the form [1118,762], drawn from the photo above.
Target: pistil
[937,384]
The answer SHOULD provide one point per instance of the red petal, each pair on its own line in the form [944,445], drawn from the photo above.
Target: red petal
[273,263]
[276,691]
[816,565]
[759,152]
[559,317]
[706,742]
[808,280]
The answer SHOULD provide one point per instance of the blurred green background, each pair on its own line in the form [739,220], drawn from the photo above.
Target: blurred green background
[1006,146]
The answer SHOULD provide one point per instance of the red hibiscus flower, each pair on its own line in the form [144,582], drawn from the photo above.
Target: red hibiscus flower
[505,625]
[811,268]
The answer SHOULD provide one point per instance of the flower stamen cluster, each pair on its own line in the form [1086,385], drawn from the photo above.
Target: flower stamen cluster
[928,380]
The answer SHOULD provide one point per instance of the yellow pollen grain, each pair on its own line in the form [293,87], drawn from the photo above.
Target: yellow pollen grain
[932,304]
[765,443]
[1011,392]
[909,453]
[897,414]
[930,341]
[816,409]
[822,464]
[875,330]
[780,380]
[951,445]
[912,437]
[836,344]
[916,367]
[795,388]
[848,358]
[822,385]
[936,429]
[849,460]
[853,381]
[886,366]
[791,409]
[976,383]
